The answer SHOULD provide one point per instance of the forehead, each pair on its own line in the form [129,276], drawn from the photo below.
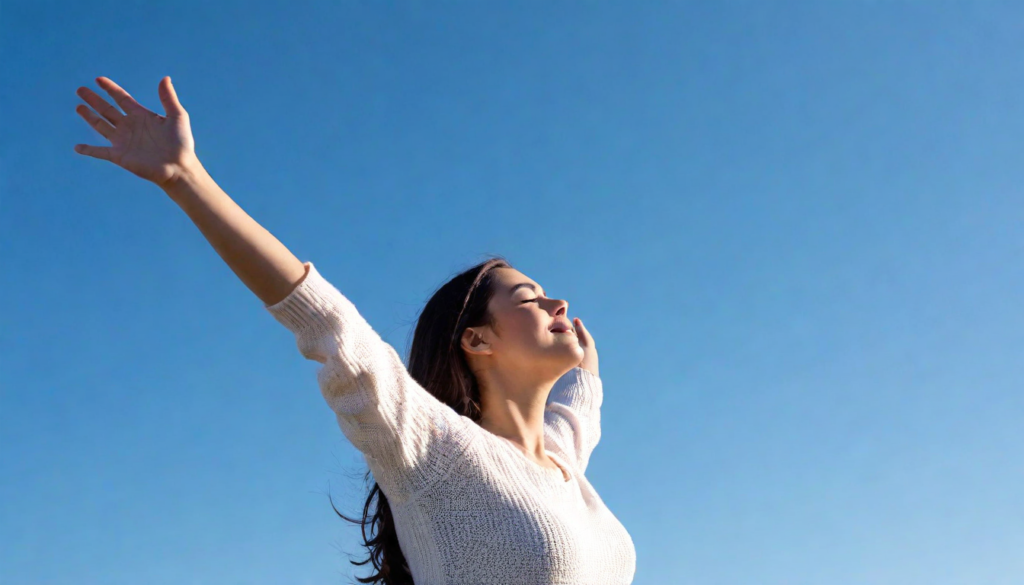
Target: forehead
[507,278]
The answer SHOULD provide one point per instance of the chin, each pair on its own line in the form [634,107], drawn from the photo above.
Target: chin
[564,353]
[575,356]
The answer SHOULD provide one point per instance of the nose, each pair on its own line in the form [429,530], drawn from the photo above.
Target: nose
[561,307]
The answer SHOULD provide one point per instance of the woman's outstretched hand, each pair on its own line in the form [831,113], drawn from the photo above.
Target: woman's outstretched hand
[586,340]
[154,147]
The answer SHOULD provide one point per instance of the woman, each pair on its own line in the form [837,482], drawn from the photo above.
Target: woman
[479,448]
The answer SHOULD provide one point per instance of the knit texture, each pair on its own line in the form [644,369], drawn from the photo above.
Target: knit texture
[469,507]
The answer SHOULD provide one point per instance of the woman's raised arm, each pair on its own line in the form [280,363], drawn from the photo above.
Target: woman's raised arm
[409,437]
[259,259]
[161,150]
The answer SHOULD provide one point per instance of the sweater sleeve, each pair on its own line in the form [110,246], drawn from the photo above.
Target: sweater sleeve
[572,415]
[408,437]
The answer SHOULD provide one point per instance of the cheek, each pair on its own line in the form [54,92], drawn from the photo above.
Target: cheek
[523,330]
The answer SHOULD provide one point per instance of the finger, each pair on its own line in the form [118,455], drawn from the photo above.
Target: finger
[582,333]
[122,97]
[112,114]
[98,124]
[101,152]
[169,98]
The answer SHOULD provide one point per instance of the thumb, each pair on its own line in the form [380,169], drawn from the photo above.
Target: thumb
[169,99]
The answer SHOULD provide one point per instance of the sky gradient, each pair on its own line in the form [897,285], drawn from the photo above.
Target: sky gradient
[794,231]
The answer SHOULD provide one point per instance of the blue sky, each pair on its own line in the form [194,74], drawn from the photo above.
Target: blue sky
[793,229]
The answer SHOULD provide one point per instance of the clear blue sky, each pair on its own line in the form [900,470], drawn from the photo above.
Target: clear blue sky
[794,230]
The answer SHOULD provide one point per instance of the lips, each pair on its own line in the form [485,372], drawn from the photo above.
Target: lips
[562,327]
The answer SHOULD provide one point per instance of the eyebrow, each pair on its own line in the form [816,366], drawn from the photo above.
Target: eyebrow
[526,284]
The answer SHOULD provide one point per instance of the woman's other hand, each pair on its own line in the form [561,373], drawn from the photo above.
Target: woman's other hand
[586,340]
[154,147]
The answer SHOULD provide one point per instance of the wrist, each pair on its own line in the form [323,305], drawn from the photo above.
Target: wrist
[185,179]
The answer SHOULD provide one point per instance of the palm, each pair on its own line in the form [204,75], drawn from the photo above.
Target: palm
[143,142]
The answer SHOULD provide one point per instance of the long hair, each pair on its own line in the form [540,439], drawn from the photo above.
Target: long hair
[437,363]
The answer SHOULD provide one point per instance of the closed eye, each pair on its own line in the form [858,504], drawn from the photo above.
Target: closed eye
[529,301]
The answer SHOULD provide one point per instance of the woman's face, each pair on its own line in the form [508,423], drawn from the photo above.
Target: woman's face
[530,330]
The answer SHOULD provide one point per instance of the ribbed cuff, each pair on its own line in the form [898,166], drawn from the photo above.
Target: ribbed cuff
[308,304]
[578,388]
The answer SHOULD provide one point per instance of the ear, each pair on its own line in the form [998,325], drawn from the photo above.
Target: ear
[474,341]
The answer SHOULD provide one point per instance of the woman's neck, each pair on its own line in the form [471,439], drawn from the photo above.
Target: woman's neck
[514,409]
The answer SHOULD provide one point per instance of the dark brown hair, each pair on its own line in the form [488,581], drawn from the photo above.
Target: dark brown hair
[436,361]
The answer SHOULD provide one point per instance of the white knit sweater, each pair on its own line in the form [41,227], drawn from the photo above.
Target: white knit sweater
[469,507]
